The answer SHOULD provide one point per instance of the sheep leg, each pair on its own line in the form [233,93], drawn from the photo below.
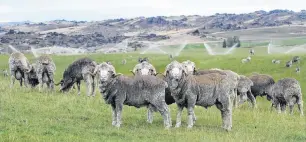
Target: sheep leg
[278,108]
[26,80]
[179,115]
[163,109]
[51,77]
[150,114]
[118,114]
[20,82]
[283,108]
[79,87]
[114,115]
[300,106]
[235,103]
[89,82]
[93,85]
[40,80]
[12,81]
[226,113]
[190,110]
[252,98]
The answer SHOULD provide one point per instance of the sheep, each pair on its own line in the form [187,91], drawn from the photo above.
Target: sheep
[5,73]
[144,68]
[170,57]
[137,91]
[252,51]
[45,68]
[123,61]
[261,84]
[297,69]
[286,91]
[203,90]
[296,59]
[248,58]
[244,91]
[234,79]
[32,77]
[190,66]
[81,69]
[245,60]
[289,63]
[19,68]
[275,61]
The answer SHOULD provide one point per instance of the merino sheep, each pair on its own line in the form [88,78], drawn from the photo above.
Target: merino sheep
[5,73]
[233,77]
[81,69]
[289,63]
[144,68]
[123,61]
[261,84]
[190,66]
[244,91]
[203,90]
[245,60]
[138,91]
[296,59]
[252,51]
[286,91]
[45,68]
[19,68]
[275,61]
[297,69]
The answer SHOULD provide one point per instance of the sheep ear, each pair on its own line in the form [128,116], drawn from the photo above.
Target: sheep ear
[115,75]
[156,74]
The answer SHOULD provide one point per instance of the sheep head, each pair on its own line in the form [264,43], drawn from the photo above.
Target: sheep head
[144,68]
[174,73]
[190,66]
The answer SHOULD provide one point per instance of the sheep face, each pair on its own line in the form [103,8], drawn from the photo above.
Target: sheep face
[144,68]
[190,66]
[175,72]
[67,82]
[106,72]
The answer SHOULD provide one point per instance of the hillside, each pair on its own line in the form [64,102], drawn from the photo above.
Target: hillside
[97,34]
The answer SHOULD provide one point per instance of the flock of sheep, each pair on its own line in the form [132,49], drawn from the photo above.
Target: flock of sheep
[180,83]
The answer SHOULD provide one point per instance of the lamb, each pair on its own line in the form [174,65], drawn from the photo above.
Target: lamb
[245,60]
[144,68]
[190,66]
[203,90]
[286,91]
[45,68]
[297,69]
[19,68]
[244,91]
[137,91]
[261,84]
[81,69]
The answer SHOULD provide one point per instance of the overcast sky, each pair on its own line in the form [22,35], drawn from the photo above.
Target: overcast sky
[44,10]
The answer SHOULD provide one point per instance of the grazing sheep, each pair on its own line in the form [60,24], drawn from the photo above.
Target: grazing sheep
[248,58]
[286,91]
[297,69]
[123,61]
[261,84]
[32,77]
[19,68]
[45,69]
[5,73]
[296,59]
[144,68]
[289,63]
[245,60]
[252,51]
[138,91]
[203,90]
[81,69]
[275,61]
[190,66]
[244,91]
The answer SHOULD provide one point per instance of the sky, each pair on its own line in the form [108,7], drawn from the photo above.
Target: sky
[95,10]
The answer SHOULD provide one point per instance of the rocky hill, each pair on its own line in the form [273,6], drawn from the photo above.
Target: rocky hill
[77,34]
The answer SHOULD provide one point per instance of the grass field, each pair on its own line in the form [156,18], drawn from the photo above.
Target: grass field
[27,115]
